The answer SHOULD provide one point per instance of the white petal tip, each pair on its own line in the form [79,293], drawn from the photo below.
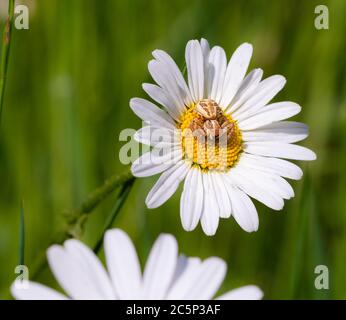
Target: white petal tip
[209,232]
[52,250]
[133,103]
[217,261]
[133,171]
[209,228]
[250,229]
[188,228]
[145,86]
[247,45]
[154,52]
[313,156]
[115,233]
[309,155]
[281,80]
[167,237]
[150,205]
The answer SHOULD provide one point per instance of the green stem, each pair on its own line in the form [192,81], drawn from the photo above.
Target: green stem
[5,52]
[75,219]
[22,235]
[117,207]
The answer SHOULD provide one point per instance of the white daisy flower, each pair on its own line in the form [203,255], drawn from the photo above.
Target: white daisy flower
[221,137]
[166,275]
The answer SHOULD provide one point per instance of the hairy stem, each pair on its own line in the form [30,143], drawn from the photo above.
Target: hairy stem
[75,219]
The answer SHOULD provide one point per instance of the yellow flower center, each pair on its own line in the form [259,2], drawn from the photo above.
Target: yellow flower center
[210,138]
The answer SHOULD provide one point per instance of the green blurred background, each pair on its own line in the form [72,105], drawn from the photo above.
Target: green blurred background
[70,79]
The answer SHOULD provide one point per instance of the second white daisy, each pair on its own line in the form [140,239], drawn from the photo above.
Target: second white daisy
[167,275]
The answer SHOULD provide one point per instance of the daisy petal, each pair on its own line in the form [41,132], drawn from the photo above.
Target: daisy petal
[265,91]
[168,63]
[206,280]
[35,291]
[205,48]
[243,210]
[280,150]
[263,193]
[185,282]
[160,267]
[206,52]
[271,113]
[159,95]
[235,73]
[243,293]
[246,89]
[210,215]
[182,264]
[276,166]
[283,131]
[222,197]
[166,185]
[155,161]
[157,137]
[191,203]
[272,183]
[195,69]
[79,271]
[151,114]
[147,169]
[123,264]
[166,80]
[215,73]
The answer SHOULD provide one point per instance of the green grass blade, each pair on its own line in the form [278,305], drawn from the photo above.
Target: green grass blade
[5,52]
[21,235]
[125,190]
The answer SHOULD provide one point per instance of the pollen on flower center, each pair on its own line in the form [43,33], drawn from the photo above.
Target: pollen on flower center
[211,139]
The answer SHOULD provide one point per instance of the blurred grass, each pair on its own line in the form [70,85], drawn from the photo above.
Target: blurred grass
[71,76]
